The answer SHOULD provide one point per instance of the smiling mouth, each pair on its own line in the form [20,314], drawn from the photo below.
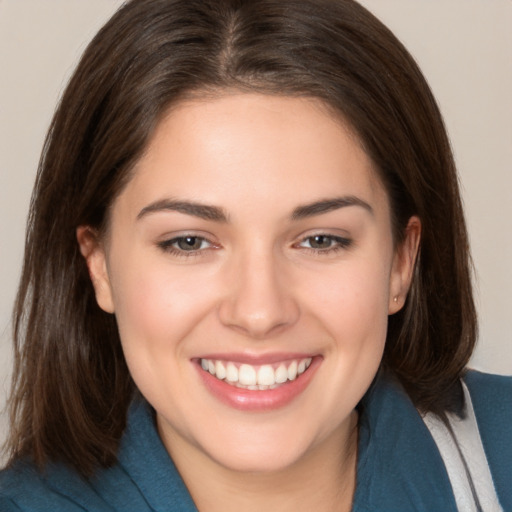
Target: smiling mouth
[256,377]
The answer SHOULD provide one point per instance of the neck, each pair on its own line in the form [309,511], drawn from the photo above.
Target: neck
[323,480]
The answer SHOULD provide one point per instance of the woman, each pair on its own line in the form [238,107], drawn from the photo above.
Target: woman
[231,291]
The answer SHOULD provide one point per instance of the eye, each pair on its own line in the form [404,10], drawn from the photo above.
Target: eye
[190,243]
[325,243]
[186,245]
[320,242]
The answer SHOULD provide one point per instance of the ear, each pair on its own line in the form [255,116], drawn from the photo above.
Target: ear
[93,251]
[403,265]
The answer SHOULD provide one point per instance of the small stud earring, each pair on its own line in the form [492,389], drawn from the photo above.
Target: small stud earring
[395,299]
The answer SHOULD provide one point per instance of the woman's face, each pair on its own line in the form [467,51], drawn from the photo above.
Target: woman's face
[251,268]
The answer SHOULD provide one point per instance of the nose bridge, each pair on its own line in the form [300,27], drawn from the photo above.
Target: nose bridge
[258,302]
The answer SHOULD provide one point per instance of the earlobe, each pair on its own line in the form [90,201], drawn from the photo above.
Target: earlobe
[93,251]
[403,265]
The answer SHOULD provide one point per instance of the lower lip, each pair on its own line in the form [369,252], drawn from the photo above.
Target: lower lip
[255,400]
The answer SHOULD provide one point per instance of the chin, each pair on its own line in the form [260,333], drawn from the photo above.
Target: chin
[270,460]
[267,449]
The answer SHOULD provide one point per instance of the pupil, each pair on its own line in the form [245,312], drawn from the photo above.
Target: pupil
[190,242]
[320,242]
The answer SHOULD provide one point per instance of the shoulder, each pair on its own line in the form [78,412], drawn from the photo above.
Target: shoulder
[497,388]
[491,396]
[24,488]
[59,488]
[399,466]
[143,479]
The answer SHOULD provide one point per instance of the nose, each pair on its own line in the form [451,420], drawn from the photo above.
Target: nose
[259,302]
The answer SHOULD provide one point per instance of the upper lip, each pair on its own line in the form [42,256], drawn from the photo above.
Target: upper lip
[257,359]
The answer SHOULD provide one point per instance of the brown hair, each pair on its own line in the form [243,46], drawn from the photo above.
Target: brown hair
[71,386]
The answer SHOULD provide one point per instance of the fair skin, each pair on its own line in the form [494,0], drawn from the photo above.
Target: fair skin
[256,233]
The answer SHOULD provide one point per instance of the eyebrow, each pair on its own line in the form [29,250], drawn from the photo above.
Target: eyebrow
[216,214]
[202,211]
[328,205]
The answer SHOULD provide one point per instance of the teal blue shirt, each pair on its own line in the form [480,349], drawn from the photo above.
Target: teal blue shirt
[399,466]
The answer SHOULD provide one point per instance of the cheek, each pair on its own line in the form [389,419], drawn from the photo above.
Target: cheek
[156,312]
[352,307]
[352,300]
[157,306]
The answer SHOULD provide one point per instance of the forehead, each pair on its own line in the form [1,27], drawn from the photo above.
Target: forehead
[256,149]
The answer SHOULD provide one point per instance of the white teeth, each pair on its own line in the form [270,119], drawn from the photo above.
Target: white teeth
[247,375]
[266,375]
[220,370]
[231,373]
[281,374]
[292,371]
[256,377]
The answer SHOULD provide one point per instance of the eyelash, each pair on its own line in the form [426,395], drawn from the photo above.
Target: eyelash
[169,246]
[337,243]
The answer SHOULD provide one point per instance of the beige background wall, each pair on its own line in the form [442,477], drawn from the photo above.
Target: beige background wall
[463,46]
